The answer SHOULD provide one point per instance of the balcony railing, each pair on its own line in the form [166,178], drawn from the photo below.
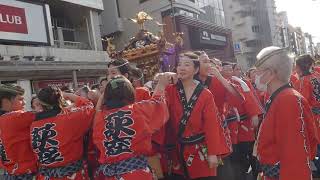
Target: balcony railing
[71,45]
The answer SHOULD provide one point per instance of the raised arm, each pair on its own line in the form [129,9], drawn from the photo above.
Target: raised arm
[228,86]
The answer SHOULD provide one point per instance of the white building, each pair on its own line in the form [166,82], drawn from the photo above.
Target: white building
[284,29]
[50,42]
[309,46]
[254,26]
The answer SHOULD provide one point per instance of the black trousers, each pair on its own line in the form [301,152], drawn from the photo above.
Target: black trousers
[242,159]
[225,172]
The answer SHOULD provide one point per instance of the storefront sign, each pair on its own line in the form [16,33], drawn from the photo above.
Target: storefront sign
[13,19]
[23,21]
[210,38]
[237,47]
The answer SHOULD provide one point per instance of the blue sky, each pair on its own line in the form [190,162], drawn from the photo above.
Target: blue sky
[303,13]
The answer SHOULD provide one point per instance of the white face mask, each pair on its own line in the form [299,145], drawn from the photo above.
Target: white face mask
[259,85]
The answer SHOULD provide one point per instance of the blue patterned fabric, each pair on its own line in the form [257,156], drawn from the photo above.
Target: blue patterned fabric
[316,110]
[7,176]
[124,166]
[61,172]
[271,171]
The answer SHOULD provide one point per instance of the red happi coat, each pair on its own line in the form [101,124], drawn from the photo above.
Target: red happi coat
[309,87]
[249,108]
[223,100]
[140,121]
[288,135]
[62,137]
[16,155]
[316,69]
[203,119]
[221,95]
[258,94]
[142,93]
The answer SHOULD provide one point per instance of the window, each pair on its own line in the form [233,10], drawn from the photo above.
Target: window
[8,82]
[142,1]
[255,29]
[187,13]
[213,11]
[253,43]
[249,12]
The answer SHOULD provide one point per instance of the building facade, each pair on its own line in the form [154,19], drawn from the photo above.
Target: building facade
[283,25]
[317,49]
[297,40]
[50,42]
[254,26]
[201,21]
[309,44]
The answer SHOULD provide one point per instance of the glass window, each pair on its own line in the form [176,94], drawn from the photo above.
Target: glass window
[213,11]
[142,1]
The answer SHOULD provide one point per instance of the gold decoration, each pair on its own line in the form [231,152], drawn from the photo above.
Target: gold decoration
[111,48]
[179,38]
[146,49]
[141,18]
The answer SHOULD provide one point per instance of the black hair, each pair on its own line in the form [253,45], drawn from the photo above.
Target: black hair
[95,86]
[67,89]
[121,64]
[227,64]
[192,56]
[85,89]
[234,65]
[305,62]
[31,102]
[103,79]
[119,92]
[195,58]
[137,73]
[50,98]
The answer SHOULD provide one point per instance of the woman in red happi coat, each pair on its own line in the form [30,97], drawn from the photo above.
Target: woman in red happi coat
[194,126]
[123,129]
[287,137]
[57,135]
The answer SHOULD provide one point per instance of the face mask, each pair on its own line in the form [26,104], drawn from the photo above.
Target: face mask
[259,85]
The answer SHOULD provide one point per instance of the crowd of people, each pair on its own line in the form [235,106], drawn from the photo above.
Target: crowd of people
[208,120]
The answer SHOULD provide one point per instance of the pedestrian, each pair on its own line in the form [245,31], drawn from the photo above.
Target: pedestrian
[16,154]
[123,129]
[287,137]
[194,125]
[57,135]
[121,67]
[308,84]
